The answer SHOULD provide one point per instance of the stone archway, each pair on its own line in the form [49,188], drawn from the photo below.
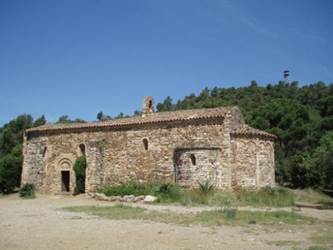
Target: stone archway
[66,179]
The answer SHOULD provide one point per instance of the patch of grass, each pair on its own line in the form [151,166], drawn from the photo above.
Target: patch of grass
[272,197]
[312,196]
[277,217]
[206,218]
[229,213]
[117,212]
[317,248]
[195,196]
[225,198]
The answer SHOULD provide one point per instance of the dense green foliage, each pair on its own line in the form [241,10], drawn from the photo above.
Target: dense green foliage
[103,117]
[27,191]
[80,173]
[66,119]
[11,137]
[9,172]
[301,117]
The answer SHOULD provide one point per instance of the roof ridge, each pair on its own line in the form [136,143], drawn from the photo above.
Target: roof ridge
[164,116]
[246,129]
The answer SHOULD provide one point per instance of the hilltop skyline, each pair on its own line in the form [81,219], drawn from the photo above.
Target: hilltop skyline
[78,58]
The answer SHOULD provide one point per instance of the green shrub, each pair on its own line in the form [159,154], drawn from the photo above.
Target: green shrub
[27,191]
[80,173]
[131,188]
[9,173]
[206,187]
[167,192]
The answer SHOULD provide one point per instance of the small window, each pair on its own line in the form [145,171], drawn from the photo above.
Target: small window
[145,143]
[150,104]
[82,149]
[193,160]
[44,151]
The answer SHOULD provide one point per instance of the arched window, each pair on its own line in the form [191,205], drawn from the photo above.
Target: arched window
[150,104]
[44,151]
[145,143]
[82,149]
[193,160]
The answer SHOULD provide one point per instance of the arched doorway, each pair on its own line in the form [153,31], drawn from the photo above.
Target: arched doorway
[66,175]
[65,181]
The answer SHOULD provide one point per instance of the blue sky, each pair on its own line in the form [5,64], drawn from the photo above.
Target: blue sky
[77,58]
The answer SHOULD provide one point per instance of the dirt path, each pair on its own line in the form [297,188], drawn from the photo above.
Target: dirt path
[41,224]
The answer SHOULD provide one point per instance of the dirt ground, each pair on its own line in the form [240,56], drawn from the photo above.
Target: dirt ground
[41,224]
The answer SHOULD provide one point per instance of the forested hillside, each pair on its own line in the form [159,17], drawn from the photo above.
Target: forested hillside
[301,117]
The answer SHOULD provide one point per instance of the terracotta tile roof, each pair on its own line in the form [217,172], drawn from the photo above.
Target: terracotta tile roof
[157,117]
[247,130]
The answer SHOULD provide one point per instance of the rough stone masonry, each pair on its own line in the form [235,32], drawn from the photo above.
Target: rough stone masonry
[183,147]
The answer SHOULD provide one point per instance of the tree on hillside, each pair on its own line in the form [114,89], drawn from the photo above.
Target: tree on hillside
[39,121]
[101,117]
[65,119]
[166,105]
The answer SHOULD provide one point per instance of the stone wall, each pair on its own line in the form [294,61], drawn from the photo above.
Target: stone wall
[198,165]
[252,162]
[115,157]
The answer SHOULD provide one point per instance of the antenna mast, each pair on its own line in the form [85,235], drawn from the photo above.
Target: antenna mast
[285,75]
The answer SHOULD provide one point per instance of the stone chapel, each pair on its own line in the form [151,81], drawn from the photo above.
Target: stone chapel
[183,147]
